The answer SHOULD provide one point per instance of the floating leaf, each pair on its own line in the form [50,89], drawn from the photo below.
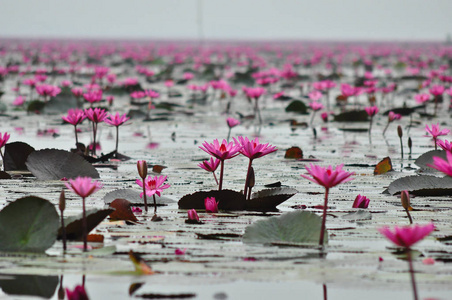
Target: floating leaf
[228,200]
[4,175]
[299,227]
[297,106]
[267,200]
[141,267]
[427,158]
[53,164]
[135,287]
[384,166]
[133,196]
[29,285]
[122,211]
[16,155]
[352,116]
[74,223]
[29,224]
[404,111]
[166,296]
[424,185]
[219,236]
[294,152]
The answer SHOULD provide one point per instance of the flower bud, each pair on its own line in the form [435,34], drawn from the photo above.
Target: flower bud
[62,202]
[142,168]
[211,204]
[399,131]
[405,198]
[361,202]
[193,215]
[410,143]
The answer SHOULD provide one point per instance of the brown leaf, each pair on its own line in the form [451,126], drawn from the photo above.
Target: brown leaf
[95,238]
[294,152]
[122,211]
[383,166]
[158,168]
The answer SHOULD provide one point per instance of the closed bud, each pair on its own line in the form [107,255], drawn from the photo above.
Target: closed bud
[142,168]
[405,198]
[399,131]
[192,215]
[62,202]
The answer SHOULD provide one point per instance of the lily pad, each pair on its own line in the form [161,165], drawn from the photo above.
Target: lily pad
[359,215]
[29,285]
[29,224]
[424,185]
[122,211]
[133,196]
[268,199]
[427,158]
[352,116]
[297,106]
[53,164]
[73,224]
[16,155]
[300,227]
[227,200]
[384,166]
[294,152]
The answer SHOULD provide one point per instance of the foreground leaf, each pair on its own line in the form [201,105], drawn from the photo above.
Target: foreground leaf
[29,285]
[425,185]
[16,155]
[29,224]
[427,158]
[53,164]
[300,227]
[74,223]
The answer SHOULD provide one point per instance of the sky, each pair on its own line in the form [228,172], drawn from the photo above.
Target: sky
[393,20]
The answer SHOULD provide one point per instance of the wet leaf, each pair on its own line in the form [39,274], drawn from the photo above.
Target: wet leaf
[218,236]
[29,285]
[404,111]
[133,196]
[53,164]
[352,116]
[60,103]
[384,166]
[122,211]
[16,155]
[227,200]
[74,223]
[297,106]
[158,168]
[294,152]
[135,287]
[268,199]
[95,238]
[29,224]
[424,185]
[4,175]
[300,227]
[427,158]
[141,267]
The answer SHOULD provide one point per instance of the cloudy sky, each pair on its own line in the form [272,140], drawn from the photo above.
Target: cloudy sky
[228,19]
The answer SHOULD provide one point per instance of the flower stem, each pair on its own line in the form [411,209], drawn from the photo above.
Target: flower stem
[84,228]
[245,189]
[117,141]
[155,204]
[76,137]
[312,118]
[229,134]
[93,151]
[434,140]
[63,228]
[384,131]
[215,176]
[220,185]
[144,196]
[3,159]
[325,206]
[413,280]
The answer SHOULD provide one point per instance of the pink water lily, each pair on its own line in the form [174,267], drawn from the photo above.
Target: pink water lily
[116,120]
[407,236]
[84,187]
[435,131]
[445,145]
[74,117]
[315,95]
[96,116]
[328,178]
[4,139]
[211,205]
[210,166]
[371,110]
[231,124]
[361,202]
[442,165]
[79,293]
[192,215]
[153,185]
[392,116]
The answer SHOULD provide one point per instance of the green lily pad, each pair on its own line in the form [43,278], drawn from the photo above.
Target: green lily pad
[298,227]
[297,106]
[29,285]
[29,224]
[73,224]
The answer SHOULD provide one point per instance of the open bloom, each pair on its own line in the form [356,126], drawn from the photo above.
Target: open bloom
[253,149]
[421,98]
[232,122]
[153,185]
[437,90]
[327,177]
[371,110]
[93,96]
[393,116]
[210,166]
[4,139]
[316,106]
[83,186]
[116,120]
[445,145]
[211,204]
[48,90]
[361,202]
[315,95]
[96,115]
[222,152]
[407,236]
[443,165]
[435,130]
[74,116]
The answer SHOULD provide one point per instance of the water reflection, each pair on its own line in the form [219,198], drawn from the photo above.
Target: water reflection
[29,285]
